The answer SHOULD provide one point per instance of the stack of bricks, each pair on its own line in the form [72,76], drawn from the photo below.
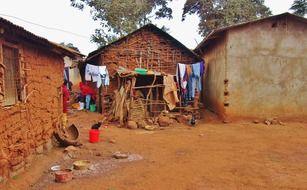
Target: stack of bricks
[26,128]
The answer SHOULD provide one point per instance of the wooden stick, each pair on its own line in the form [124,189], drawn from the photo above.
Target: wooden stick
[149,86]
[2,65]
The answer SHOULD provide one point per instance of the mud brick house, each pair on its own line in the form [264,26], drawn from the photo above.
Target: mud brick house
[258,68]
[31,76]
[148,47]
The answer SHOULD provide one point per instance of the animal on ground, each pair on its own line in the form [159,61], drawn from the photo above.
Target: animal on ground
[96,125]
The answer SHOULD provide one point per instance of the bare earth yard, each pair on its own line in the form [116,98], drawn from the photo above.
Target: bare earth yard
[212,155]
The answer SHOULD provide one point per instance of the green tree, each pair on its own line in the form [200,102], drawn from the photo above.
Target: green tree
[220,13]
[120,17]
[70,45]
[299,7]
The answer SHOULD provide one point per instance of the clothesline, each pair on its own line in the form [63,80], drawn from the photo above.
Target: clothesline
[97,74]
[189,78]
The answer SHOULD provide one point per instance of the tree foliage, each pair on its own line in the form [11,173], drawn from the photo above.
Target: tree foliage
[219,13]
[120,17]
[70,45]
[299,7]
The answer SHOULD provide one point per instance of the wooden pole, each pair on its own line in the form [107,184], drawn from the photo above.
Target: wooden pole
[100,107]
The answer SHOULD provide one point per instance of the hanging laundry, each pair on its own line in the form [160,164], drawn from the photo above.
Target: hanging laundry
[170,91]
[104,75]
[202,68]
[181,75]
[189,70]
[92,73]
[196,78]
[189,80]
[97,74]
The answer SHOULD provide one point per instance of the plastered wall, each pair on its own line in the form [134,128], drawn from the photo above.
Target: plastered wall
[267,69]
[214,79]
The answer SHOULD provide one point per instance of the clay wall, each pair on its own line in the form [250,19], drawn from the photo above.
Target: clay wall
[145,48]
[27,126]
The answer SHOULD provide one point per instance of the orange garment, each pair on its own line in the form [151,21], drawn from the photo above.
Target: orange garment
[170,91]
[189,70]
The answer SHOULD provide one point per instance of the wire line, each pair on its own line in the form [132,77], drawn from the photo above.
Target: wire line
[46,27]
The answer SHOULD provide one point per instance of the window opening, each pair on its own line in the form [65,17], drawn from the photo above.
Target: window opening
[12,84]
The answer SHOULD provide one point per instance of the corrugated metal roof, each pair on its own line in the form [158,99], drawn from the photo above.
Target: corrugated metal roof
[20,31]
[215,33]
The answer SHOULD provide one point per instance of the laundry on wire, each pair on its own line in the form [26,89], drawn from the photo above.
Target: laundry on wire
[97,74]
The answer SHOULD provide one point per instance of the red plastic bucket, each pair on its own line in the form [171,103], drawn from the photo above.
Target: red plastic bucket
[94,135]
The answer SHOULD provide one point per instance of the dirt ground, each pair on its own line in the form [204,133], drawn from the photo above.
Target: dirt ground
[212,155]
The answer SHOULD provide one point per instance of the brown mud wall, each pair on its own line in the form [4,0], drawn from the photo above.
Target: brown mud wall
[26,127]
[146,49]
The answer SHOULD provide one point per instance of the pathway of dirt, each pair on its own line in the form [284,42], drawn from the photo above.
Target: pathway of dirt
[212,155]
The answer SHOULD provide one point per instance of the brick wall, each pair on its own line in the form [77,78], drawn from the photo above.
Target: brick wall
[26,127]
[146,49]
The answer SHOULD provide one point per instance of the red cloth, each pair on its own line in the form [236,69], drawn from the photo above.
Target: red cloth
[87,90]
[65,98]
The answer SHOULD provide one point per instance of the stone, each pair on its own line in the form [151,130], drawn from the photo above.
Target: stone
[112,141]
[98,154]
[164,121]
[256,121]
[150,121]
[181,118]
[119,155]
[141,124]
[267,122]
[39,149]
[70,149]
[132,124]
[226,121]
[18,166]
[13,174]
[48,146]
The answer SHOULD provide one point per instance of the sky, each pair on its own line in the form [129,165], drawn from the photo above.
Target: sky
[58,22]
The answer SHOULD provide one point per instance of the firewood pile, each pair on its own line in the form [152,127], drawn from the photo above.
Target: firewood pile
[120,107]
[137,110]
